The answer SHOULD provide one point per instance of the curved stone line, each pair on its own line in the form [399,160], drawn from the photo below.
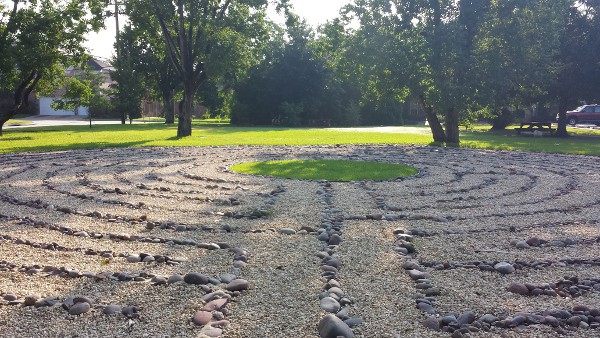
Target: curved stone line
[121,236]
[84,181]
[491,266]
[424,233]
[381,204]
[118,191]
[567,287]
[562,321]
[38,204]
[132,258]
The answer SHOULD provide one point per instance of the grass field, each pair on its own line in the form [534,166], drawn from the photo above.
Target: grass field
[215,133]
[331,170]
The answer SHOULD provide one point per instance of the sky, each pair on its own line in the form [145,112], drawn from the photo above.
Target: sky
[316,12]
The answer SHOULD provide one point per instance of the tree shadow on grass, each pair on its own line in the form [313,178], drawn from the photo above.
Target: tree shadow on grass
[16,138]
[74,146]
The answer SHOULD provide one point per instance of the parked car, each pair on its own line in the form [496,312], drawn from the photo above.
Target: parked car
[589,113]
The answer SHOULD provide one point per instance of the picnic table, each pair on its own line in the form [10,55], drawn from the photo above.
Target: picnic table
[536,125]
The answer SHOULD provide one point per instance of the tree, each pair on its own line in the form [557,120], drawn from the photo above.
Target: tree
[129,87]
[208,38]
[304,77]
[82,89]
[460,57]
[159,73]
[38,40]
[578,59]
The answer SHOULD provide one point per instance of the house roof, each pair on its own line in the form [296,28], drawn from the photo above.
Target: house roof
[97,65]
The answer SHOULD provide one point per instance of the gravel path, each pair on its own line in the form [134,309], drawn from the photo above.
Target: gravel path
[166,242]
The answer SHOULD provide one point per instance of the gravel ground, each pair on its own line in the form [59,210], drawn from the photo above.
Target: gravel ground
[77,223]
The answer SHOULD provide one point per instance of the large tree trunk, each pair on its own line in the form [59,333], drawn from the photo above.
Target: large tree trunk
[184,127]
[434,123]
[452,131]
[168,101]
[3,118]
[561,130]
[21,98]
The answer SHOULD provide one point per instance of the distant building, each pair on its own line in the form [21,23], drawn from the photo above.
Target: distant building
[45,102]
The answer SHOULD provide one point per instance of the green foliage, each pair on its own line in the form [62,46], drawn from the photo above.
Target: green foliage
[38,40]
[129,88]
[208,39]
[291,114]
[82,89]
[294,73]
[331,170]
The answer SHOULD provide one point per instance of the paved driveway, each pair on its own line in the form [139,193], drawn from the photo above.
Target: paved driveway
[61,120]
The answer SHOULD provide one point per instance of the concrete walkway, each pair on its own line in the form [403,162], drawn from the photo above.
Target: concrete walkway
[64,120]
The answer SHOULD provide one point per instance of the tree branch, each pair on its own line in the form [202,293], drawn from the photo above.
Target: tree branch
[224,9]
[171,46]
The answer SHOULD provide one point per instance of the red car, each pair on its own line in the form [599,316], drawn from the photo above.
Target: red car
[589,113]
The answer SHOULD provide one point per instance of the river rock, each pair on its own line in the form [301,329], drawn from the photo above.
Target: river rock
[201,318]
[518,288]
[330,305]
[504,268]
[466,318]
[287,231]
[215,305]
[111,309]
[331,326]
[432,323]
[238,285]
[79,308]
[195,278]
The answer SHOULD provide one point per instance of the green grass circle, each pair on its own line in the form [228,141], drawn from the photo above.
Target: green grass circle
[331,170]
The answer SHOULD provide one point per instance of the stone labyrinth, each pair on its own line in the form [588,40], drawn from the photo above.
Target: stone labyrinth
[157,242]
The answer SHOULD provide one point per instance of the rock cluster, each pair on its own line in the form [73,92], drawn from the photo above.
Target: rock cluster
[567,287]
[74,305]
[332,299]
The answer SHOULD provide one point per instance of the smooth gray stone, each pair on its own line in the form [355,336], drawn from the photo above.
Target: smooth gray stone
[330,305]
[174,279]
[488,318]
[287,231]
[111,309]
[331,326]
[432,323]
[227,278]
[335,239]
[195,278]
[324,237]
[416,274]
[238,285]
[337,291]
[79,308]
[134,259]
[522,245]
[466,318]
[504,268]
[427,308]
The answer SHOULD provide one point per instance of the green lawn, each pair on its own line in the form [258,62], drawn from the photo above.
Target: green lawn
[215,133]
[331,170]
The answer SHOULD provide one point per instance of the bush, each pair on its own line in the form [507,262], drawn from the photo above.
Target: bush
[291,114]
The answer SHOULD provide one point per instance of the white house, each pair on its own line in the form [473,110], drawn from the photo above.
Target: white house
[45,102]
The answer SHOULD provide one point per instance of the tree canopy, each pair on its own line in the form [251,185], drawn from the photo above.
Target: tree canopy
[38,40]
